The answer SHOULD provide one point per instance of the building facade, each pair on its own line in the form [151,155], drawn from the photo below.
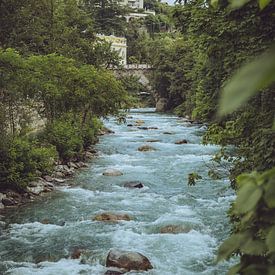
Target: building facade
[135,4]
[118,44]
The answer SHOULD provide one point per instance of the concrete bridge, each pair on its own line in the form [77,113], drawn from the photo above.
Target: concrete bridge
[141,71]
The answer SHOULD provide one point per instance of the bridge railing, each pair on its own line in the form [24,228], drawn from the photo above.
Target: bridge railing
[132,67]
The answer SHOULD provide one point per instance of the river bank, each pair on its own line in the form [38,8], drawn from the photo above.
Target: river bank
[62,172]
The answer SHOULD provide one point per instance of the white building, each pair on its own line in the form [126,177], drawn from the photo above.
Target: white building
[135,4]
[118,44]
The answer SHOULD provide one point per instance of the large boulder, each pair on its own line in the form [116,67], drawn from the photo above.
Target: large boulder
[146,148]
[112,173]
[111,217]
[128,260]
[133,184]
[181,141]
[161,105]
[174,229]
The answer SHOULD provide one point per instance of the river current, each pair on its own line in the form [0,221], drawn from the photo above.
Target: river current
[28,246]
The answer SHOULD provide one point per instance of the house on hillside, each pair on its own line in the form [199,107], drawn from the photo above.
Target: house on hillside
[118,44]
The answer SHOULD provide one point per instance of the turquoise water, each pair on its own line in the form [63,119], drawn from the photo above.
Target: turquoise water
[27,246]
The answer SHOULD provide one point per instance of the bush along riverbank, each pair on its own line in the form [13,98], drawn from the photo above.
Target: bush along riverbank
[36,165]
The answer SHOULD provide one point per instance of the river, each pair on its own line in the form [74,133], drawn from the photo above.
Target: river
[28,246]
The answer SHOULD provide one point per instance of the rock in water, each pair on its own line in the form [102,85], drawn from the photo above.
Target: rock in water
[161,105]
[133,184]
[146,148]
[114,272]
[128,260]
[153,140]
[182,141]
[112,172]
[111,217]
[174,229]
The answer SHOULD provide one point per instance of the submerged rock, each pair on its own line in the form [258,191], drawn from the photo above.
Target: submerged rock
[128,260]
[182,141]
[133,184]
[114,272]
[146,148]
[167,133]
[112,217]
[153,140]
[112,172]
[174,229]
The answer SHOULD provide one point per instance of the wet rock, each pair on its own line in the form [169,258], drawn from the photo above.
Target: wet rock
[182,141]
[133,184]
[48,178]
[152,128]
[167,133]
[58,175]
[112,172]
[72,165]
[45,221]
[105,131]
[153,140]
[139,122]
[161,104]
[130,125]
[89,155]
[2,196]
[77,252]
[39,188]
[128,260]
[174,229]
[114,272]
[56,180]
[65,169]
[82,164]
[32,184]
[143,128]
[112,217]
[146,148]
[8,202]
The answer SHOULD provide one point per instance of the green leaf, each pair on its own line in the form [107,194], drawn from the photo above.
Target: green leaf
[263,3]
[269,196]
[270,240]
[253,247]
[248,196]
[234,270]
[236,4]
[251,78]
[231,245]
[214,3]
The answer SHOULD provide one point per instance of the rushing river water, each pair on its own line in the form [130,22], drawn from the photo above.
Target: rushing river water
[28,246]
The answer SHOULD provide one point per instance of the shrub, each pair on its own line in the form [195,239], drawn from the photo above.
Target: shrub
[21,159]
[66,137]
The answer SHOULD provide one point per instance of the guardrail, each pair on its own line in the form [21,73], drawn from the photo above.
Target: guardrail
[132,67]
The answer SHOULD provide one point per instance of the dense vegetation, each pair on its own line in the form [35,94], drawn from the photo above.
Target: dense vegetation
[52,78]
[52,72]
[192,66]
